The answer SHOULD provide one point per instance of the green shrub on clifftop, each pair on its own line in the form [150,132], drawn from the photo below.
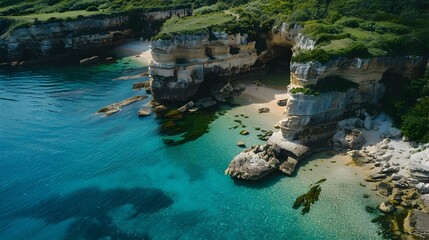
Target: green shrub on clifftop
[306,91]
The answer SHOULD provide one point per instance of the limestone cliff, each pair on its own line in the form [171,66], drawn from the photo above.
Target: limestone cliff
[181,64]
[79,36]
[360,71]
[304,112]
[310,119]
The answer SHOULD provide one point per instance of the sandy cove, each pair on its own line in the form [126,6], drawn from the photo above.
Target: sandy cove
[397,154]
[140,50]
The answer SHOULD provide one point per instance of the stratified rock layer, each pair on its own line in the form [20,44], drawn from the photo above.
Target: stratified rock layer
[181,64]
[75,36]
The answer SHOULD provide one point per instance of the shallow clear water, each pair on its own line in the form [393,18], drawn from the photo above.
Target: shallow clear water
[66,173]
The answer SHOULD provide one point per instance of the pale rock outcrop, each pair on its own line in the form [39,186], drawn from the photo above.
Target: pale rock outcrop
[307,111]
[255,163]
[357,70]
[180,64]
[343,140]
[288,166]
[420,224]
[420,171]
[290,35]
[423,188]
[292,149]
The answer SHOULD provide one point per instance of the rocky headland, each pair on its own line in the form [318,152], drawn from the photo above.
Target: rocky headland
[181,65]
[79,37]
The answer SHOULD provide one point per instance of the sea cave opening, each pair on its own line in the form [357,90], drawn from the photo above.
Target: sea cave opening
[394,85]
[277,59]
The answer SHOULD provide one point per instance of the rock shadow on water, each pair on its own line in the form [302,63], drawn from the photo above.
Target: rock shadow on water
[303,165]
[267,182]
[91,209]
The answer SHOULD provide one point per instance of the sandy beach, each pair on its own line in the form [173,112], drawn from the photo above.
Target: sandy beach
[137,49]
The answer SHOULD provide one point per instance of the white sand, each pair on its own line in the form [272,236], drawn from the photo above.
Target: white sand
[141,51]
[256,97]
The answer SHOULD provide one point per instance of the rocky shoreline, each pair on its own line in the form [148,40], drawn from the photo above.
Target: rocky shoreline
[397,169]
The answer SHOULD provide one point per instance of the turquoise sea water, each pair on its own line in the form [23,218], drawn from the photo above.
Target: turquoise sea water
[66,173]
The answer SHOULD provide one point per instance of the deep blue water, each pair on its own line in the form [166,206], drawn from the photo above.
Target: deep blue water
[66,173]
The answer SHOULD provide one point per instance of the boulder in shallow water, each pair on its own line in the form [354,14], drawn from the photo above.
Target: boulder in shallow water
[144,113]
[140,85]
[254,163]
[386,207]
[264,110]
[288,166]
[186,107]
[244,132]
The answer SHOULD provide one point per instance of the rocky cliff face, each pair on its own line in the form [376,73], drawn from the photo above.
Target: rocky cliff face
[356,70]
[291,36]
[82,35]
[180,64]
[304,112]
[310,119]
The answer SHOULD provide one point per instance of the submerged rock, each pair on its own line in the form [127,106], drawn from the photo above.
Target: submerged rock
[115,107]
[254,163]
[244,132]
[144,113]
[186,107]
[264,110]
[140,85]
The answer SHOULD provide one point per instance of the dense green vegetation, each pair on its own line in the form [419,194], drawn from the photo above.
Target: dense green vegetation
[353,28]
[306,91]
[192,25]
[409,106]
